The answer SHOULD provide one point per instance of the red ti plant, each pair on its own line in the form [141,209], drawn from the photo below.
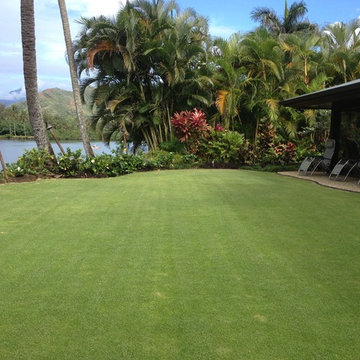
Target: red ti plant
[190,127]
[219,128]
[286,152]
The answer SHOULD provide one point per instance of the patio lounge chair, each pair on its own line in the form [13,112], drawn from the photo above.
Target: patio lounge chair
[313,162]
[356,163]
[341,165]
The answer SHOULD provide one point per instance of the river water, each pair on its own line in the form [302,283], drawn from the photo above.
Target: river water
[12,149]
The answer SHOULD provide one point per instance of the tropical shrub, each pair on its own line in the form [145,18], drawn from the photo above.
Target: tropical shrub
[111,165]
[185,161]
[223,147]
[265,141]
[73,164]
[305,147]
[271,148]
[100,165]
[286,153]
[32,162]
[69,164]
[173,145]
[158,159]
[126,164]
[190,127]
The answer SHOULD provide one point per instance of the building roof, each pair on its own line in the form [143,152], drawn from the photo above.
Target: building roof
[346,96]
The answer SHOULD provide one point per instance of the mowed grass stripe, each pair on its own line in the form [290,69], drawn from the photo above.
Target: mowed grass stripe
[195,264]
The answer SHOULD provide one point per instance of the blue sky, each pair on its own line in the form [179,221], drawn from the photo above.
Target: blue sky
[225,18]
[235,14]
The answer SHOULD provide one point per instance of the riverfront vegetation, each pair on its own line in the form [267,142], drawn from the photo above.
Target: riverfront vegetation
[186,264]
[58,110]
[152,60]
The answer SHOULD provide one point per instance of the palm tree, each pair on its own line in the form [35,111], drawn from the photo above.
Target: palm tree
[30,76]
[74,80]
[305,56]
[289,23]
[263,57]
[262,54]
[231,79]
[343,44]
[149,62]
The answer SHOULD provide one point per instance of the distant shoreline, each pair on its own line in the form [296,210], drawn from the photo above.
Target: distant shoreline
[22,137]
[16,137]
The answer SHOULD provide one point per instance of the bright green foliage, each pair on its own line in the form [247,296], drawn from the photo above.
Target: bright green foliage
[223,148]
[194,264]
[58,110]
[232,79]
[160,159]
[343,42]
[173,145]
[32,162]
[152,60]
[14,121]
[73,164]
[149,61]
[257,70]
[70,164]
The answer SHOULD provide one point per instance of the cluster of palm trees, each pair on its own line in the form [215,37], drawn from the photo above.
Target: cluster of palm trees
[151,60]
[281,59]
[143,65]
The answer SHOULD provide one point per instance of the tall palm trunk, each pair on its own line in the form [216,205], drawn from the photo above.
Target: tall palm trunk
[74,80]
[30,75]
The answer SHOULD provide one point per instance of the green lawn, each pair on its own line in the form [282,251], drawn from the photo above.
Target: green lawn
[193,264]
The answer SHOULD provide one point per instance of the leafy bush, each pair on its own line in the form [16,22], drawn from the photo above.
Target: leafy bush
[271,149]
[158,159]
[264,149]
[108,165]
[173,145]
[32,162]
[186,161]
[99,165]
[73,164]
[70,164]
[212,145]
[286,153]
[223,147]
[190,127]
[305,147]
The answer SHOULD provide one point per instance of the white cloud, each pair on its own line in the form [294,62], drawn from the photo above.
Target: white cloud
[216,28]
[95,7]
[221,31]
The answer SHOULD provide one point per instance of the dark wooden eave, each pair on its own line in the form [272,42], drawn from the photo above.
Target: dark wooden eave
[345,96]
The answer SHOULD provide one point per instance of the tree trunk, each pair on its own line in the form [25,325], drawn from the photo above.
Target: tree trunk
[30,76]
[74,80]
